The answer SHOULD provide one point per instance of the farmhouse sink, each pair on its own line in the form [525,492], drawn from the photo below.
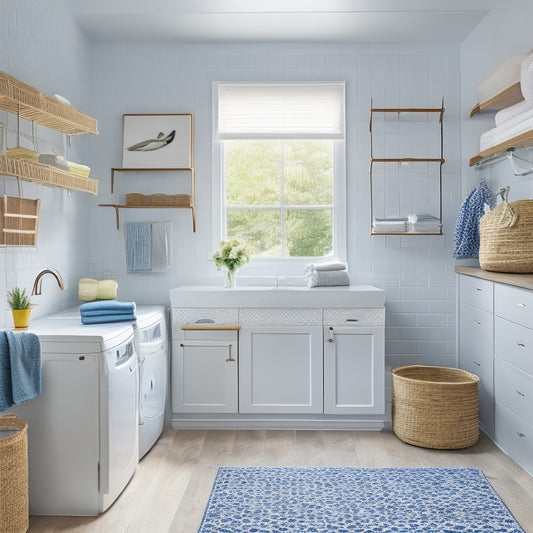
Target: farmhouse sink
[335,297]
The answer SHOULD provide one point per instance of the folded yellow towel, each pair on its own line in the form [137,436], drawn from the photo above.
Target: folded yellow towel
[22,153]
[90,289]
[78,169]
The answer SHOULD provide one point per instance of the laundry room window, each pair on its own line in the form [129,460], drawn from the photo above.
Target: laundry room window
[281,159]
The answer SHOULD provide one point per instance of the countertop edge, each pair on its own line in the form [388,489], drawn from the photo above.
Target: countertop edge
[525,281]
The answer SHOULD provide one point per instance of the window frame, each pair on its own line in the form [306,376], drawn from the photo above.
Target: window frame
[285,266]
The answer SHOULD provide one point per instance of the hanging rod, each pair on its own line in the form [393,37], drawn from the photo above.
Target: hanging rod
[511,156]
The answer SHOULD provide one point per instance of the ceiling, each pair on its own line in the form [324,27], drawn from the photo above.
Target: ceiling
[437,21]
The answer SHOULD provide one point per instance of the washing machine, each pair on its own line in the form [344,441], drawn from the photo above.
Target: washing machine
[83,429]
[151,334]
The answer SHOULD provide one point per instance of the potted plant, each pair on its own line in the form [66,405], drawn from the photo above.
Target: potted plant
[231,256]
[20,304]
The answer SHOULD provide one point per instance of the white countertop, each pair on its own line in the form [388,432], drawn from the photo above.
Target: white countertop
[353,296]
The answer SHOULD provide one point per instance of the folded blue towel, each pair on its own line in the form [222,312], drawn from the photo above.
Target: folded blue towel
[108,305]
[105,312]
[124,317]
[20,367]
[6,395]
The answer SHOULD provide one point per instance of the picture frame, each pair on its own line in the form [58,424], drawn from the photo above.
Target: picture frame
[157,141]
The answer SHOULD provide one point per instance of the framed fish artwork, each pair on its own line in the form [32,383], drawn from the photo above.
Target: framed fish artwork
[157,141]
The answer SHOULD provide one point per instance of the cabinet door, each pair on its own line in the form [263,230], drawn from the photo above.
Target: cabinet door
[280,369]
[476,347]
[354,370]
[204,376]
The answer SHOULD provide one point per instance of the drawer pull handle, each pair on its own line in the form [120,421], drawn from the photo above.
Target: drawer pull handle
[479,289]
[520,434]
[521,344]
[352,320]
[520,393]
[521,304]
[230,357]
[476,363]
[477,323]
[330,334]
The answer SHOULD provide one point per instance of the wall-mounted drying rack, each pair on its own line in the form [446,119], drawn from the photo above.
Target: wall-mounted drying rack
[512,157]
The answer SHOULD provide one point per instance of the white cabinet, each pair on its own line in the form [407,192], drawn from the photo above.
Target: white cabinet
[204,372]
[476,341]
[513,350]
[496,336]
[354,373]
[280,369]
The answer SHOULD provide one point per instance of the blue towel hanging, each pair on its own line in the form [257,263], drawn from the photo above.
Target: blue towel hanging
[466,236]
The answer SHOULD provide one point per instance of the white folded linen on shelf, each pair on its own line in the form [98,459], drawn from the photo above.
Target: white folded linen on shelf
[502,78]
[54,160]
[386,225]
[513,112]
[502,133]
[424,222]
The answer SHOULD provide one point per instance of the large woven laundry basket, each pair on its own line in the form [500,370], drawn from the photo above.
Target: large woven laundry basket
[506,238]
[435,407]
[14,509]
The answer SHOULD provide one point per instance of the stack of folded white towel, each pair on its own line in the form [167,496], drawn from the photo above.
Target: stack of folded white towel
[518,118]
[326,274]
[389,225]
[424,223]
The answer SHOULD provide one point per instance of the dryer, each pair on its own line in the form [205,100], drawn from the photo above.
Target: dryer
[151,334]
[83,428]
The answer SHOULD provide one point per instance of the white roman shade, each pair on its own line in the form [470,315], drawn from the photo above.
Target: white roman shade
[278,110]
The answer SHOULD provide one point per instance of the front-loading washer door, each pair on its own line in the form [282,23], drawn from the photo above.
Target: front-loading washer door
[153,384]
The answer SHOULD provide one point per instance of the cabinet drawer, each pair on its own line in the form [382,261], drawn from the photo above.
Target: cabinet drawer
[514,304]
[475,335]
[514,343]
[355,317]
[251,316]
[476,291]
[514,390]
[515,436]
[191,315]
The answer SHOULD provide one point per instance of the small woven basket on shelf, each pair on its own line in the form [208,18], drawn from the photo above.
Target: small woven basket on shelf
[506,238]
[14,507]
[435,407]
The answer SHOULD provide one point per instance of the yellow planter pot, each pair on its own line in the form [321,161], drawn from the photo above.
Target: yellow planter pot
[21,318]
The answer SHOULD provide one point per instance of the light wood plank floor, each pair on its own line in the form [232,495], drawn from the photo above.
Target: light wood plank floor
[170,488]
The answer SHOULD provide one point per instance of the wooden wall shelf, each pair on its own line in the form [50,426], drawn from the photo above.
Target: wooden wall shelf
[46,175]
[29,103]
[438,112]
[510,96]
[118,207]
[525,140]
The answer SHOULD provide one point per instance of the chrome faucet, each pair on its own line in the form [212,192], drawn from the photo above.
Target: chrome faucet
[38,280]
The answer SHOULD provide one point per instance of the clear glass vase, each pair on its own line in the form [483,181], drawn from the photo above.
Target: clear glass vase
[229,280]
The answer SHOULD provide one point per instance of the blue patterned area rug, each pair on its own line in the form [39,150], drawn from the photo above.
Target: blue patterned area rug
[339,500]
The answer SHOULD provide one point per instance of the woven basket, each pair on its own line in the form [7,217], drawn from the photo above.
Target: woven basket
[435,407]
[14,507]
[506,238]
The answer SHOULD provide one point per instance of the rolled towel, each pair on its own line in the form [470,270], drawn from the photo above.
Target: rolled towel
[332,265]
[106,319]
[22,153]
[526,78]
[78,169]
[326,278]
[502,78]
[90,289]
